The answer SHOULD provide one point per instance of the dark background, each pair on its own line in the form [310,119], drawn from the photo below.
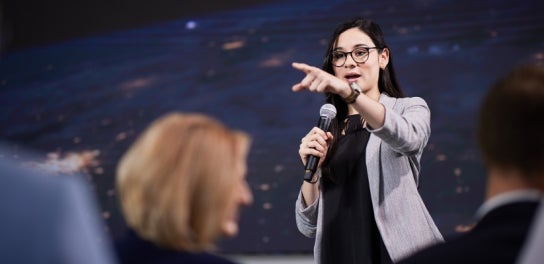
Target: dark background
[28,23]
[80,80]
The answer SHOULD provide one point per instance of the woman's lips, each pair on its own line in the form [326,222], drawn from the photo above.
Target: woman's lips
[352,79]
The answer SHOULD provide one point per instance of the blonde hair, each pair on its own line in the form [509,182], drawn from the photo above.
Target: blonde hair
[174,180]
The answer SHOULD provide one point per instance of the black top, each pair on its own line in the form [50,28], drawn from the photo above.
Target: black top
[133,249]
[350,234]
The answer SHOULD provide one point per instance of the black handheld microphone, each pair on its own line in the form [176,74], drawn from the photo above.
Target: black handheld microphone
[326,115]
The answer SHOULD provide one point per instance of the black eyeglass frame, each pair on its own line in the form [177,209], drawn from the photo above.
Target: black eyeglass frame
[367,49]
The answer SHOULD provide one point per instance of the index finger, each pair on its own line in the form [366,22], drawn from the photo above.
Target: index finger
[302,67]
[318,131]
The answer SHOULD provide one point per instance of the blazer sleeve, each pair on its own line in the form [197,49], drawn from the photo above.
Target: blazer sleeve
[407,126]
[306,216]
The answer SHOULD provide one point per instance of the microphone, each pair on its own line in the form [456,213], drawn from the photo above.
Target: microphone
[326,115]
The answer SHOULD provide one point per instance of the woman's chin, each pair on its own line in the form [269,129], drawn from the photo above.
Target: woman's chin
[230,229]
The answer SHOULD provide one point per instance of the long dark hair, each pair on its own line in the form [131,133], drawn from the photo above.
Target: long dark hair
[387,81]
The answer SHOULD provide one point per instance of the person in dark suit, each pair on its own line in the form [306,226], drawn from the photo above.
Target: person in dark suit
[181,185]
[532,252]
[48,219]
[510,133]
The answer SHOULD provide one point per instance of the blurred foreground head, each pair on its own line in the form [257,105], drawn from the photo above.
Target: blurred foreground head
[182,182]
[48,218]
[510,128]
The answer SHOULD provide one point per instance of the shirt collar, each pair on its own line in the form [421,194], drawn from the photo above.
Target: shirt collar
[506,198]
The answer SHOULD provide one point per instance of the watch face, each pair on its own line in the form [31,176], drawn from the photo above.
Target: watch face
[355,87]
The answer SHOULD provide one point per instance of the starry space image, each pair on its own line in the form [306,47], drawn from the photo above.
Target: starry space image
[82,101]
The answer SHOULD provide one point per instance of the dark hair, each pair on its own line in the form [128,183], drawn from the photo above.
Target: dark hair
[387,81]
[510,130]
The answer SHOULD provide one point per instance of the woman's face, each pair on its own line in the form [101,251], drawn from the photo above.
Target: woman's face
[239,196]
[365,74]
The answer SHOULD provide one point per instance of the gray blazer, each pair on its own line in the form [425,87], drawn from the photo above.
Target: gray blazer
[392,160]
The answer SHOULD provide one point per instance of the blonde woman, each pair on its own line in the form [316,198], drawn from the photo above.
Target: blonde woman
[181,185]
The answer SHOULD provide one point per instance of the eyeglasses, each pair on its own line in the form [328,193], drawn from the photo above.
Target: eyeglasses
[359,55]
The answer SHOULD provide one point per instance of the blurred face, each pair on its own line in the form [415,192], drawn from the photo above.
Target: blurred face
[239,196]
[366,73]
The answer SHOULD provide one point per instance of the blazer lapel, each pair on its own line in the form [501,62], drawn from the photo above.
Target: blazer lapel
[373,157]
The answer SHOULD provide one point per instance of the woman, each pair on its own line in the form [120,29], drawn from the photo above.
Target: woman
[180,186]
[362,205]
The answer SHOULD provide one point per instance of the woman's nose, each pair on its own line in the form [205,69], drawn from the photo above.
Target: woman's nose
[246,197]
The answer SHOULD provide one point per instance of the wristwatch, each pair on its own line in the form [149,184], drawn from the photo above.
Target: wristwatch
[355,91]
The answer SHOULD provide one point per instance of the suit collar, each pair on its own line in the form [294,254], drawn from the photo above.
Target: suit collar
[528,195]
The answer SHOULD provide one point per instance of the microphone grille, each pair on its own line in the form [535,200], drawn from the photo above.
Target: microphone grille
[328,111]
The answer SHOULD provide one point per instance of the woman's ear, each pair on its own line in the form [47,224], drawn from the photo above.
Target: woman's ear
[384,58]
